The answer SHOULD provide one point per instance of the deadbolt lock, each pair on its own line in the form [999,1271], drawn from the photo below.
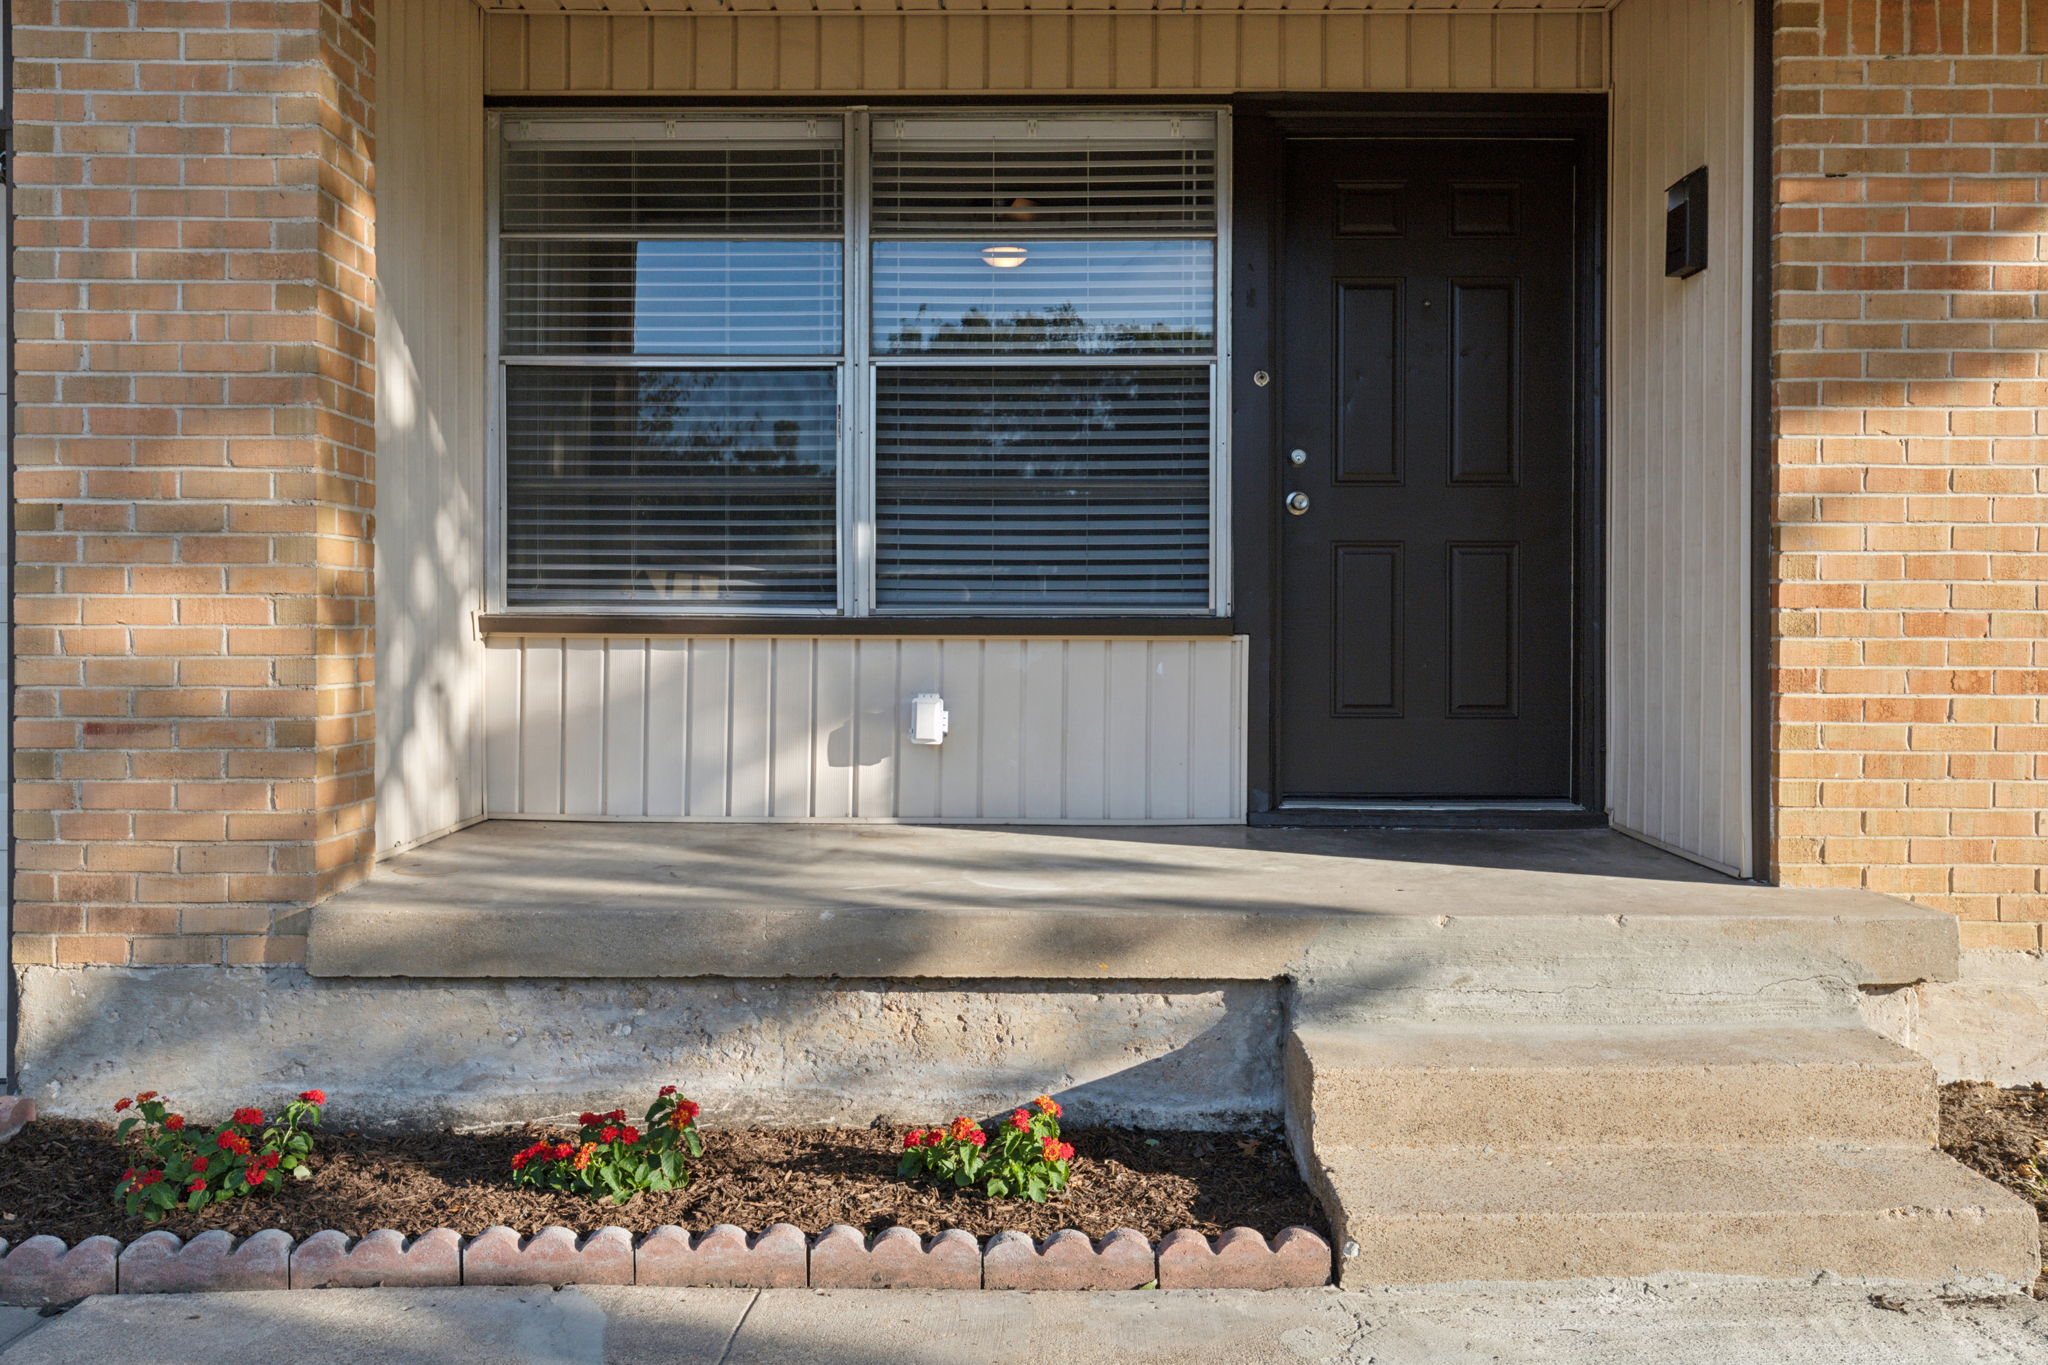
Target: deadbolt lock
[1297,503]
[1297,457]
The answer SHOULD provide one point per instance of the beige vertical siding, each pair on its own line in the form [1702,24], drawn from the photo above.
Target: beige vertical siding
[1071,730]
[430,417]
[1099,53]
[1678,672]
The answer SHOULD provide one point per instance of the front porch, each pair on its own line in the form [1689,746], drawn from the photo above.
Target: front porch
[1657,1066]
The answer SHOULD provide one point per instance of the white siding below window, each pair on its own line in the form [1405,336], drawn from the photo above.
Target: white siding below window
[1068,730]
[1679,769]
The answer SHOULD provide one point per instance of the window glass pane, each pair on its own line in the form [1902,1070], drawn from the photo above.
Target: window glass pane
[1129,297]
[1042,186]
[712,189]
[1043,489]
[676,485]
[671,298]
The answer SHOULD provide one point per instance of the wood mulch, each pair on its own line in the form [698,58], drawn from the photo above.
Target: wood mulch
[1992,1131]
[57,1177]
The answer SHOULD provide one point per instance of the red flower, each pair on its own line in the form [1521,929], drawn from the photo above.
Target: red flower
[609,1133]
[1050,1149]
[977,1137]
[313,1096]
[586,1120]
[269,1161]
[665,1092]
[519,1160]
[154,1177]
[174,1122]
[914,1138]
[199,1163]
[617,1116]
[252,1117]
[630,1134]
[689,1108]
[231,1141]
[121,1104]
[1066,1151]
[145,1097]
[961,1127]
[1021,1121]
[1048,1105]
[195,1187]
[254,1175]
[563,1151]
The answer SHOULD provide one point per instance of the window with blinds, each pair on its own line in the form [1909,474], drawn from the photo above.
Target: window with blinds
[1018,413]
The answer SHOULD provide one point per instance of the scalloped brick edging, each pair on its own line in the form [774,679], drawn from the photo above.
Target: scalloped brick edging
[15,1112]
[42,1270]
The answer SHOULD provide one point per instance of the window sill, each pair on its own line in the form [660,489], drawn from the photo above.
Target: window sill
[619,623]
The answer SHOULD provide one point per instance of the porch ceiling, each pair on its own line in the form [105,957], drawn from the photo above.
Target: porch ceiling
[953,6]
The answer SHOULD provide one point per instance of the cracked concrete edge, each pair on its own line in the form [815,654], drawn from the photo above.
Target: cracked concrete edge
[42,1270]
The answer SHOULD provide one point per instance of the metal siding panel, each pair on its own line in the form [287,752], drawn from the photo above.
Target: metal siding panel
[1557,51]
[960,678]
[1092,52]
[757,51]
[625,727]
[589,60]
[1344,52]
[1429,51]
[1214,791]
[1125,714]
[835,745]
[1042,728]
[1009,52]
[1302,39]
[750,725]
[1472,56]
[878,728]
[505,40]
[1169,736]
[1002,730]
[1258,51]
[1678,748]
[547,53]
[668,711]
[919,766]
[1086,730]
[540,730]
[584,710]
[839,50]
[1386,51]
[504,710]
[709,722]
[1177,51]
[794,728]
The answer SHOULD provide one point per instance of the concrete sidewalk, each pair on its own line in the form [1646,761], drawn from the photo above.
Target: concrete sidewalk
[1669,1321]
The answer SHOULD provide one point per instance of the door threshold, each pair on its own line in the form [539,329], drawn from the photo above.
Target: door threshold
[1327,812]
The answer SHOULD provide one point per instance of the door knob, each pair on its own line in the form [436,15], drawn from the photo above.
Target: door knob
[1297,503]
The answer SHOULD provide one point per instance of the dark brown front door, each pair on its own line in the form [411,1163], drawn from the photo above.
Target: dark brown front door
[1426,596]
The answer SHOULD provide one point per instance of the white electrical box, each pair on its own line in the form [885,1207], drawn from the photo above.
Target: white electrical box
[928,719]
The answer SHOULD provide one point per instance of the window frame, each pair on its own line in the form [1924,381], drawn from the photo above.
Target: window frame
[855,366]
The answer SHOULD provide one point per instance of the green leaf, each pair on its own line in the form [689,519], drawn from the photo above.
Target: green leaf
[997,1188]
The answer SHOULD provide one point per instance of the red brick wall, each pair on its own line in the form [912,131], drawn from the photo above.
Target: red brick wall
[194,470]
[1911,272]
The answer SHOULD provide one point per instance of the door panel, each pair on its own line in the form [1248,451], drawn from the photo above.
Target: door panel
[1425,633]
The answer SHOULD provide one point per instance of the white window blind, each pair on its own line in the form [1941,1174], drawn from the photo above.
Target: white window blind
[637,262]
[1018,414]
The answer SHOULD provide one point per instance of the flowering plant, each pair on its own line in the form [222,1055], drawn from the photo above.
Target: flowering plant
[1026,1157]
[186,1169]
[612,1158]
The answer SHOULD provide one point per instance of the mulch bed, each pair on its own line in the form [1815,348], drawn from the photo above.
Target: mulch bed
[57,1176]
[1992,1131]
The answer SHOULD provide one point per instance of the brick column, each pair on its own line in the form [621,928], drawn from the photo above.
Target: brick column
[1911,265]
[194,469]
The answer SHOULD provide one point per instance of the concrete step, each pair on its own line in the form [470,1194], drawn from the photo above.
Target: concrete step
[1425,1216]
[1519,1085]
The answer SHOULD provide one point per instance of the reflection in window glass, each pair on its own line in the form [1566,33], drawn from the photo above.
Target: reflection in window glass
[671,297]
[1114,297]
[689,485]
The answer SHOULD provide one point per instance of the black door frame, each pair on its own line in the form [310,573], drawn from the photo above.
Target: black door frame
[1261,126]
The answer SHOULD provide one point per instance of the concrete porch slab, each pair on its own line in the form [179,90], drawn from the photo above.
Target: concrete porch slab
[567,899]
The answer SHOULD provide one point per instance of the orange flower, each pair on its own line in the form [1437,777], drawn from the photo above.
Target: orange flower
[583,1156]
[1048,1105]
[962,1127]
